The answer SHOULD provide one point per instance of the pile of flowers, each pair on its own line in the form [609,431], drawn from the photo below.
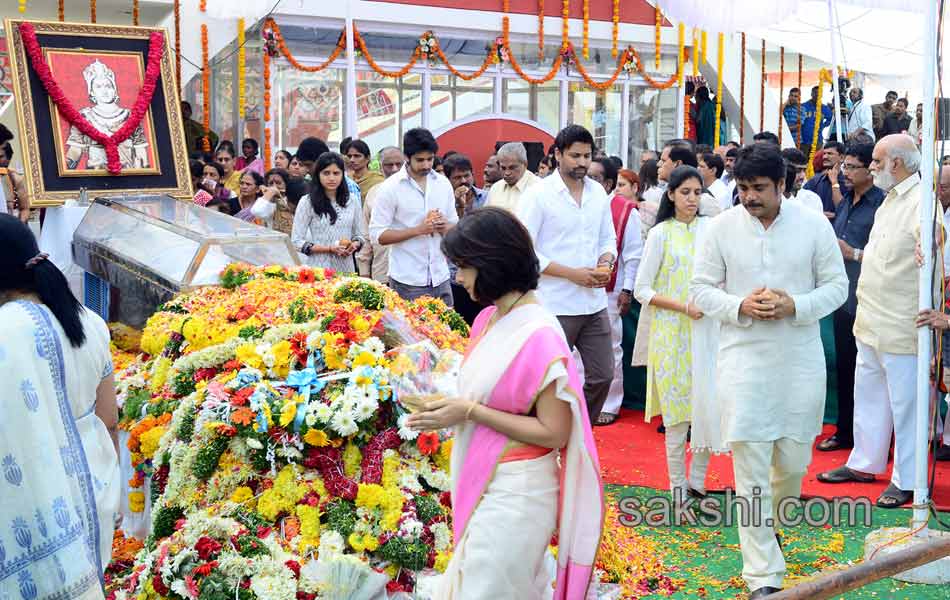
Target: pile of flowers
[263,415]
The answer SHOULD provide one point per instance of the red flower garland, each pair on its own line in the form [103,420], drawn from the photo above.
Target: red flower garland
[111,143]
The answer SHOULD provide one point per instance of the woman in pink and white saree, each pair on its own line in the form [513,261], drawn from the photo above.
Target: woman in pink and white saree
[524,465]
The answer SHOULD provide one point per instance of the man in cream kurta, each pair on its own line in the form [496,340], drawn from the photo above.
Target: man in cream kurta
[516,178]
[769,271]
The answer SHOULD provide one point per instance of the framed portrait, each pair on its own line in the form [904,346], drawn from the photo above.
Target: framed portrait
[91,88]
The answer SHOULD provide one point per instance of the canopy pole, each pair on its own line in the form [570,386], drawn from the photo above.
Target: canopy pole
[833,29]
[927,166]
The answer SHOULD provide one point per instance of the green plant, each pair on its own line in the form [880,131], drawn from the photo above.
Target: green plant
[362,292]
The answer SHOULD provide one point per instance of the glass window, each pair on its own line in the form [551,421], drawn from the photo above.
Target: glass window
[652,117]
[538,103]
[254,86]
[599,112]
[454,98]
[223,94]
[377,110]
[307,104]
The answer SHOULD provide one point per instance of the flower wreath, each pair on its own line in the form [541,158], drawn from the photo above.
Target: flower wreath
[156,50]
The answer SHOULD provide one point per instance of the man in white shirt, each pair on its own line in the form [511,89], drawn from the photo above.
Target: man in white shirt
[796,164]
[414,209]
[860,119]
[373,259]
[568,217]
[770,270]
[711,167]
[515,177]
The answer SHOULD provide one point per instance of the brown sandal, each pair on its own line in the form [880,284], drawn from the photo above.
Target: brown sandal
[605,418]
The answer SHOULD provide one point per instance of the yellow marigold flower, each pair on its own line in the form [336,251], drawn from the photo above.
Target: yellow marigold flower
[274,270]
[136,502]
[442,561]
[160,374]
[148,441]
[359,324]
[242,495]
[283,353]
[309,521]
[269,504]
[364,359]
[247,354]
[370,542]
[316,437]
[352,457]
[356,542]
[369,495]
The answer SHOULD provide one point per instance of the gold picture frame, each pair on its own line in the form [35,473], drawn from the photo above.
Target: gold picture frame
[155,158]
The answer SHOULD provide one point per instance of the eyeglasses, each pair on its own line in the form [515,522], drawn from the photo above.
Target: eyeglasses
[847,167]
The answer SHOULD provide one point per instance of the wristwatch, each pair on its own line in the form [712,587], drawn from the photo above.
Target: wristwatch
[856,255]
[628,292]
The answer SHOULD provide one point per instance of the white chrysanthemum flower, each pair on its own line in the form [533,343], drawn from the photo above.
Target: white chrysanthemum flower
[443,537]
[364,411]
[410,528]
[344,424]
[404,431]
[375,346]
[409,480]
[367,393]
[323,412]
[331,543]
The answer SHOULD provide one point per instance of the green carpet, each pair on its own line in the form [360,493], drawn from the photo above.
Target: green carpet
[705,562]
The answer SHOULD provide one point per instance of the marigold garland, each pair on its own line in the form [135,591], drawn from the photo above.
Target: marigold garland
[204,43]
[541,30]
[361,44]
[702,47]
[615,31]
[242,68]
[266,75]
[565,14]
[720,55]
[135,12]
[742,94]
[62,10]
[660,85]
[585,39]
[267,154]
[823,76]
[762,92]
[694,52]
[205,86]
[21,6]
[92,11]
[203,6]
[681,52]
[285,51]
[658,20]
[781,90]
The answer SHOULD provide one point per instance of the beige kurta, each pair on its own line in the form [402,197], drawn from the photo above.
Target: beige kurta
[771,374]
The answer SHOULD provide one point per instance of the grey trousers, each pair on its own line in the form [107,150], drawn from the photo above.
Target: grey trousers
[443,291]
[590,334]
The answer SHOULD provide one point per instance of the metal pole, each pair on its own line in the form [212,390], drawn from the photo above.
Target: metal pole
[350,121]
[426,95]
[833,29]
[927,165]
[625,121]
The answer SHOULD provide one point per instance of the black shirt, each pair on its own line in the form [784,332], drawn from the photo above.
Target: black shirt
[821,185]
[853,224]
[894,124]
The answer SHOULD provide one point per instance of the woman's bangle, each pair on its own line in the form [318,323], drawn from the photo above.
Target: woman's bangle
[471,407]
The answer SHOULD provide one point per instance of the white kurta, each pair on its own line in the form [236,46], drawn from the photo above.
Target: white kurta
[771,373]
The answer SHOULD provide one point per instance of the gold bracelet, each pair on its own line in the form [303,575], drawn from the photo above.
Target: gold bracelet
[468,413]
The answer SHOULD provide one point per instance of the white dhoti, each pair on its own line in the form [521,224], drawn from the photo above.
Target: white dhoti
[776,470]
[615,395]
[884,397]
[501,554]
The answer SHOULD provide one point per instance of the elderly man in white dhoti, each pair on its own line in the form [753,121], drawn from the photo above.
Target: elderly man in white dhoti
[769,272]
[107,116]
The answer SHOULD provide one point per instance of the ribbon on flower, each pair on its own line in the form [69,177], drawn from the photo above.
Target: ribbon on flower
[156,49]
[304,381]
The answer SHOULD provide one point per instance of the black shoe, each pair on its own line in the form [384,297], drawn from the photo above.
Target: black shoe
[943,453]
[834,443]
[661,429]
[762,592]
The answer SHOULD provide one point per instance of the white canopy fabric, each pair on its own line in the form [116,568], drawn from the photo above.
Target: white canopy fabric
[881,37]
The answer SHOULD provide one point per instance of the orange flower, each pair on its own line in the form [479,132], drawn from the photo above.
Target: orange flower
[242,416]
[428,443]
[306,276]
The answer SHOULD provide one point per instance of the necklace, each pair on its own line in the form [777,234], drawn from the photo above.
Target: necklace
[512,305]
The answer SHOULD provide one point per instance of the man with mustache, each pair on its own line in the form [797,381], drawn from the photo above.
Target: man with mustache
[884,327]
[769,271]
[568,217]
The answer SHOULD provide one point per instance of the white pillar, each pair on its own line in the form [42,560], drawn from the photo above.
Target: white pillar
[625,120]
[563,107]
[681,112]
[497,104]
[349,123]
[833,27]
[426,95]
[927,166]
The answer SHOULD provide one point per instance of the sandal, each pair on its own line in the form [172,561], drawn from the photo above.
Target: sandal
[605,418]
[843,475]
[833,443]
[893,497]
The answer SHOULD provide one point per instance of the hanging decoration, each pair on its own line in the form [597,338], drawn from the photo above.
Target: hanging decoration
[21,6]
[242,68]
[135,12]
[266,75]
[658,22]
[781,91]
[203,6]
[540,30]
[720,54]
[680,52]
[702,47]
[92,10]
[565,14]
[798,136]
[274,40]
[762,92]
[178,41]
[205,89]
[585,38]
[153,69]
[428,46]
[62,10]
[694,53]
[824,76]
[615,31]
[742,94]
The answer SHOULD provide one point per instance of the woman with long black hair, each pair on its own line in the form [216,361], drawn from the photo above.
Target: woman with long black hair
[328,226]
[58,432]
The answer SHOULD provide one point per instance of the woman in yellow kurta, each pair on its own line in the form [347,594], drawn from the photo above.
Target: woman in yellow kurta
[663,283]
